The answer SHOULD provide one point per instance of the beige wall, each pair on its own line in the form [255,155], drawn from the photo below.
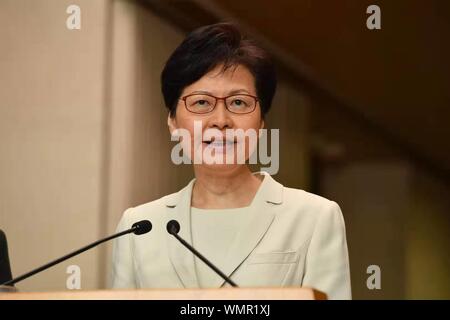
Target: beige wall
[51,118]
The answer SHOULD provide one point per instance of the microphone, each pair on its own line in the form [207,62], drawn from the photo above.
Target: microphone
[173,227]
[137,228]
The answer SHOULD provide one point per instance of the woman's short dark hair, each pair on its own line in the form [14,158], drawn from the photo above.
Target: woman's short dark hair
[210,46]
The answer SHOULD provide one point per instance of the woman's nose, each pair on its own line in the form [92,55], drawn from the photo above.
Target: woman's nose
[220,117]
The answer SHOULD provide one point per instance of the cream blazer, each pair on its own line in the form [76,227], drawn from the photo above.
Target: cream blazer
[290,238]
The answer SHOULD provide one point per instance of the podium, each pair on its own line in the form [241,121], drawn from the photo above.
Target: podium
[173,294]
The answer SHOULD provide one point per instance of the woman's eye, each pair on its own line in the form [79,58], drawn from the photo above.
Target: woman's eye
[239,103]
[201,103]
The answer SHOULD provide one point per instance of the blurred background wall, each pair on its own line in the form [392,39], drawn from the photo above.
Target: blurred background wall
[362,117]
[52,122]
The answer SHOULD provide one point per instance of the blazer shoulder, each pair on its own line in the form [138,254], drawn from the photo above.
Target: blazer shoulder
[307,199]
[313,206]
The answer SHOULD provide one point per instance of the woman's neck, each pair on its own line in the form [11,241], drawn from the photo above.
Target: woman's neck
[221,189]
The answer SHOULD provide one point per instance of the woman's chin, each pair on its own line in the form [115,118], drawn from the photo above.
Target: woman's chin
[220,167]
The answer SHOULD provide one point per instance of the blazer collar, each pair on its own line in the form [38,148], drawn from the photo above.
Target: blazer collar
[273,191]
[261,213]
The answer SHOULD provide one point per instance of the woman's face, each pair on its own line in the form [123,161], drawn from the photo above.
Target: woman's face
[213,138]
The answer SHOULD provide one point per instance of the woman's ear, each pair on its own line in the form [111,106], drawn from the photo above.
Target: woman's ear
[172,124]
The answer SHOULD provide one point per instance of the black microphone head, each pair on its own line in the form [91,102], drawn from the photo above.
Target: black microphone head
[142,227]
[173,227]
[5,267]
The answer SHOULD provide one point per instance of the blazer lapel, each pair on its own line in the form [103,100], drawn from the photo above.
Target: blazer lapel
[260,216]
[178,208]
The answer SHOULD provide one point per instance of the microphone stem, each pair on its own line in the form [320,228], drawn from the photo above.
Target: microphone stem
[70,255]
[199,255]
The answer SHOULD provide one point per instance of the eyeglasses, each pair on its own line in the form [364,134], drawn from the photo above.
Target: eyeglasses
[205,103]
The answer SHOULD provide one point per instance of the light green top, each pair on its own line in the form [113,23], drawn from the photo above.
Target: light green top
[224,225]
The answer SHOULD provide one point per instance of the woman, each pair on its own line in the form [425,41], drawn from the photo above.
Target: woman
[258,232]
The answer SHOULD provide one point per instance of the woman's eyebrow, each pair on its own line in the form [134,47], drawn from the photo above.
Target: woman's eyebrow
[234,91]
[201,92]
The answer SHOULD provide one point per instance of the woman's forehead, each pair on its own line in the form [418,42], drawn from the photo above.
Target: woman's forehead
[220,81]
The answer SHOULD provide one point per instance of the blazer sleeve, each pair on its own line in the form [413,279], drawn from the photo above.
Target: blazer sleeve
[327,263]
[122,275]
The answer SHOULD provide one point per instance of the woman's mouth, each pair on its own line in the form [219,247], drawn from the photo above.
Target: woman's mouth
[219,143]
[219,146]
